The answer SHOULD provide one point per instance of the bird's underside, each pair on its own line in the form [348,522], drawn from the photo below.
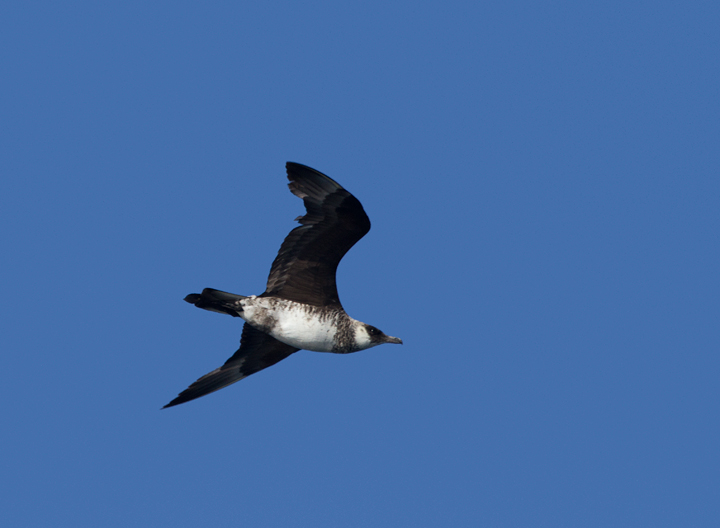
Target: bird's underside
[301,281]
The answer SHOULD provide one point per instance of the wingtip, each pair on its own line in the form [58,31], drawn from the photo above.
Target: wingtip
[177,401]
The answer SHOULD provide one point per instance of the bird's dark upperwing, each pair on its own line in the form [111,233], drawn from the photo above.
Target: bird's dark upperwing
[304,269]
[257,351]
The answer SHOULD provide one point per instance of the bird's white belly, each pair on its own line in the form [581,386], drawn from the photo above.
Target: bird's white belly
[305,332]
[292,323]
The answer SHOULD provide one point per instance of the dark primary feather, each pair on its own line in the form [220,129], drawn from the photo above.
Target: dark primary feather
[304,269]
[257,351]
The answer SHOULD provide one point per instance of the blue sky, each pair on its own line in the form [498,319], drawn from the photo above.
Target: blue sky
[543,183]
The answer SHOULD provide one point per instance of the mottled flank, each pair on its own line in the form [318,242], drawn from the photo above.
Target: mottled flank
[266,320]
[300,308]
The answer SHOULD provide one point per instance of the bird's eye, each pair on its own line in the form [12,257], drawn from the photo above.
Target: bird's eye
[373,331]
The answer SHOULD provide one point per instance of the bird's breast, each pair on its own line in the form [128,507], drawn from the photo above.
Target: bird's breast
[295,324]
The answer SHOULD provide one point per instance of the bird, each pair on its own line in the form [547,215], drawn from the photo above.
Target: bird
[300,308]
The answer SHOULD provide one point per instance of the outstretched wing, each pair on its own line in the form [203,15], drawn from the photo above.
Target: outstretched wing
[304,269]
[257,351]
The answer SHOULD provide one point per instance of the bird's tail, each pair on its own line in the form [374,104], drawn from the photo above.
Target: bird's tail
[217,301]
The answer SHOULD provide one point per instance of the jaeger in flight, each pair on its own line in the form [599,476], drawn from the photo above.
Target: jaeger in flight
[300,308]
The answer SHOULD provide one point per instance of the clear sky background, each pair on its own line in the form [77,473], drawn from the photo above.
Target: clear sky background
[543,180]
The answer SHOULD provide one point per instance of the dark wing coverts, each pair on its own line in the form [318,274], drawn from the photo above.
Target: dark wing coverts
[304,269]
[257,351]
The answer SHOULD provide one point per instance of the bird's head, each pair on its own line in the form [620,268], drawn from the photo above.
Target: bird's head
[369,336]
